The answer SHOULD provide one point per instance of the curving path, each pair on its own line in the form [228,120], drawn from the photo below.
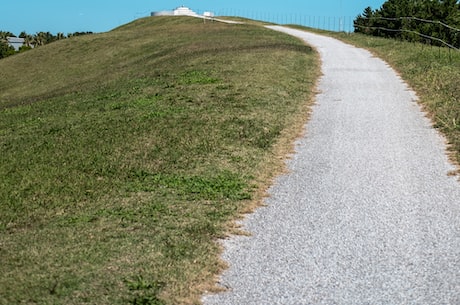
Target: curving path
[367,213]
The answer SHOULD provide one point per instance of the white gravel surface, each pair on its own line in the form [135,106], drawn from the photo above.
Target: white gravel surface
[367,213]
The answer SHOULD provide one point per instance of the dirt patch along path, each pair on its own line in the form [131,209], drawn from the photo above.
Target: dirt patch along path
[367,213]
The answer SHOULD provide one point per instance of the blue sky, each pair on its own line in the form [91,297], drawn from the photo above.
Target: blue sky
[70,16]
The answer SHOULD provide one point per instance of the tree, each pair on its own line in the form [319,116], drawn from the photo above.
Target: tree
[24,48]
[413,20]
[364,23]
[40,39]
[28,39]
[5,35]
[5,49]
[78,34]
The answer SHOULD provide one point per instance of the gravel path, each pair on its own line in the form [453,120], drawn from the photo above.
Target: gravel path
[367,213]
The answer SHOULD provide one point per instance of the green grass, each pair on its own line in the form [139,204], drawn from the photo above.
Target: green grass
[432,72]
[125,155]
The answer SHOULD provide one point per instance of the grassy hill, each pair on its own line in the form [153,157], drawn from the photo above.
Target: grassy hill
[124,155]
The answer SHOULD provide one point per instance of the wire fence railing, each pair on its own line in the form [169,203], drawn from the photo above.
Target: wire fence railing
[411,28]
[428,37]
[417,19]
[331,23]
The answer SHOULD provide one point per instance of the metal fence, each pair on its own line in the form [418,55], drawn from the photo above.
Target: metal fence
[408,28]
[331,23]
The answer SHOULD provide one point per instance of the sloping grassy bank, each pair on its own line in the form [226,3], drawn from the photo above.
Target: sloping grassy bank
[124,155]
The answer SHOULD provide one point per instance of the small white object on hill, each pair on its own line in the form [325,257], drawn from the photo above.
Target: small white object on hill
[182,11]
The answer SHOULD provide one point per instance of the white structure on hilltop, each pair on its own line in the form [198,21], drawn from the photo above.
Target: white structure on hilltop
[182,11]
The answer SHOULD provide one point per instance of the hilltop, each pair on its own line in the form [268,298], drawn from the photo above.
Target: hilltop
[126,154]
